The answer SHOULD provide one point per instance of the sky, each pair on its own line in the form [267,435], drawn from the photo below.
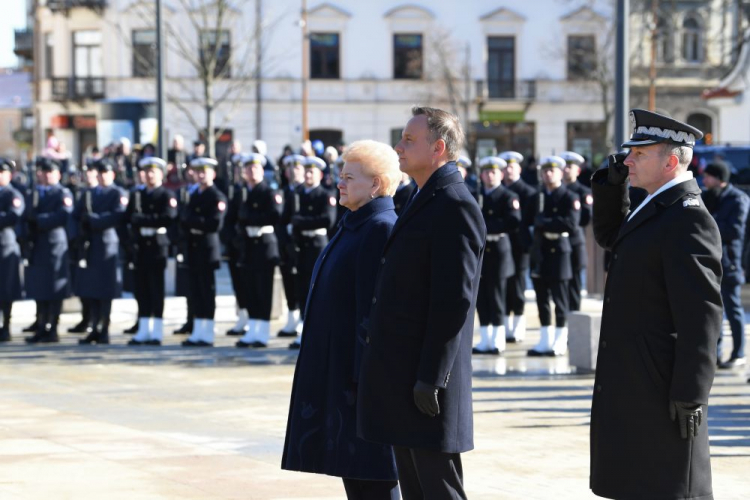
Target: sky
[13,17]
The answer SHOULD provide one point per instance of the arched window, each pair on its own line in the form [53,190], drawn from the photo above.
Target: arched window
[692,43]
[664,42]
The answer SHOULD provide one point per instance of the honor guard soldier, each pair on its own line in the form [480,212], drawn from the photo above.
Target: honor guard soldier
[294,171]
[11,211]
[151,212]
[48,207]
[128,268]
[259,212]
[404,192]
[179,238]
[502,214]
[556,214]
[98,213]
[202,219]
[520,243]
[464,164]
[316,215]
[578,255]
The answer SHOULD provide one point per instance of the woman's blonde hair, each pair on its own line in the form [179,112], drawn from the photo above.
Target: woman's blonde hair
[378,160]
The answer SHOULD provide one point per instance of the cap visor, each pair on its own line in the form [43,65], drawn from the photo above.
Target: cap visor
[645,142]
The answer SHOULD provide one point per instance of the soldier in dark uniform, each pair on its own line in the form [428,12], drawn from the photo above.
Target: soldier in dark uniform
[660,322]
[316,215]
[520,244]
[151,211]
[403,192]
[729,208]
[259,211]
[578,255]
[555,216]
[464,164]
[502,214]
[201,220]
[179,237]
[294,173]
[48,207]
[128,265]
[11,211]
[98,212]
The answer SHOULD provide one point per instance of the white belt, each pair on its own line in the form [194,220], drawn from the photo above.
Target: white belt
[555,236]
[258,231]
[152,231]
[312,233]
[496,237]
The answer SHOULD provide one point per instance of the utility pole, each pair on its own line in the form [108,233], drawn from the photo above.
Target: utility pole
[622,72]
[305,70]
[162,142]
[652,66]
[258,66]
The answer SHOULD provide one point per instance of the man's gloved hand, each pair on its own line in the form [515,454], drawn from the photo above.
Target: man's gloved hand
[689,417]
[617,172]
[426,398]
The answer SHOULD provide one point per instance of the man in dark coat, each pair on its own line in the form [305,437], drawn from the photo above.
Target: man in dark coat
[98,213]
[11,210]
[415,382]
[660,323]
[729,207]
[578,254]
[48,207]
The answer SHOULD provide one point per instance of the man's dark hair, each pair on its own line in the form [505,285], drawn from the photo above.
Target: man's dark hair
[442,125]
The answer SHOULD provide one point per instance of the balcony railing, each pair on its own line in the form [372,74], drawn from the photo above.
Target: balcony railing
[504,89]
[77,88]
[24,46]
[66,5]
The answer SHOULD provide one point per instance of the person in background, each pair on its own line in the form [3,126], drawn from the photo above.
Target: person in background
[11,211]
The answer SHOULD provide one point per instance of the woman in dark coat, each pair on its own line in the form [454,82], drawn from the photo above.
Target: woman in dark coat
[321,430]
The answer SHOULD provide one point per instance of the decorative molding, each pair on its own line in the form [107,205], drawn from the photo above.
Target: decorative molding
[409,12]
[502,15]
[328,11]
[584,15]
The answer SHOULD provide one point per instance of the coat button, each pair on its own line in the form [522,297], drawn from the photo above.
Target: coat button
[367,340]
[604,344]
[614,256]
[374,300]
[607,300]
[554,209]
[552,250]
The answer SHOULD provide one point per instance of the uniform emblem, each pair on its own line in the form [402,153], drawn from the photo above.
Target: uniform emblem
[68,202]
[123,200]
[576,205]
[691,202]
[222,206]
[589,199]
[332,201]
[173,202]
[17,202]
[516,205]
[277,199]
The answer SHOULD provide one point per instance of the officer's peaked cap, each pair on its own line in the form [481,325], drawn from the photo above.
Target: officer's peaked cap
[47,164]
[552,162]
[203,162]
[572,157]
[511,156]
[254,158]
[489,162]
[152,162]
[6,164]
[463,162]
[314,161]
[653,128]
[290,160]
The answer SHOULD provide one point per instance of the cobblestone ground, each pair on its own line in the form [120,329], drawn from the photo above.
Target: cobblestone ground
[114,422]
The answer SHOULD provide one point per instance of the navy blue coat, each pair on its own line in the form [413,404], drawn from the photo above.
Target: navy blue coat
[99,273]
[321,430]
[422,320]
[45,221]
[730,214]
[11,210]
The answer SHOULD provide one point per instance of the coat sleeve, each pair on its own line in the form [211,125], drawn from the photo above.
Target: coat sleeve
[732,225]
[691,259]
[112,217]
[210,223]
[455,256]
[611,205]
[58,217]
[587,202]
[14,213]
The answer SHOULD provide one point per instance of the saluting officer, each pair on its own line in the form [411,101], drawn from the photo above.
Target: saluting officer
[179,237]
[578,255]
[294,172]
[502,213]
[259,212]
[98,213]
[202,220]
[151,211]
[48,207]
[316,215]
[556,214]
[520,243]
[11,211]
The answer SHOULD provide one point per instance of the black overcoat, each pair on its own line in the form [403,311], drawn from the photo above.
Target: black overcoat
[99,273]
[521,239]
[422,320]
[150,218]
[202,219]
[501,210]
[321,432]
[555,216]
[660,325]
[45,222]
[11,210]
[258,207]
[731,217]
[578,256]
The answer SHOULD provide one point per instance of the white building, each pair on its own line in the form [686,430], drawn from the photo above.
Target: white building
[520,73]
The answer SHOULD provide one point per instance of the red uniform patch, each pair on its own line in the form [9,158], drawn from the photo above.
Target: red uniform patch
[332,201]
[516,205]
[589,199]
[222,206]
[173,202]
[17,202]
[278,199]
[576,205]
[68,202]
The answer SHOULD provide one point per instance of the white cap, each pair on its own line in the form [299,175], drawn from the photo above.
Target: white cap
[511,156]
[202,162]
[314,161]
[572,157]
[152,161]
[492,162]
[254,158]
[290,160]
[552,161]
[463,162]
[260,146]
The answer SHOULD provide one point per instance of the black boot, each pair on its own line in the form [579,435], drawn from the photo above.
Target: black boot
[5,335]
[43,336]
[32,327]
[184,329]
[95,337]
[81,327]
[133,329]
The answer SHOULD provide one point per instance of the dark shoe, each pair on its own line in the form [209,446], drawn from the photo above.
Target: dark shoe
[258,345]
[136,342]
[133,329]
[294,346]
[494,352]
[475,350]
[732,363]
[538,354]
[81,327]
[32,327]
[90,338]
[513,340]
[200,343]
[153,342]
[235,333]
[242,345]
[4,335]
[184,329]
[282,333]
[46,337]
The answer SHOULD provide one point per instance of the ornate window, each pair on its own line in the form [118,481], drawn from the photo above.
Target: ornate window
[692,39]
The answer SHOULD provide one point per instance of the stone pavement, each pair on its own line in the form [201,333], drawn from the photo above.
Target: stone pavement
[114,422]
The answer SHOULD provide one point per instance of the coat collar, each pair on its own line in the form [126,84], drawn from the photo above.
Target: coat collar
[353,220]
[659,203]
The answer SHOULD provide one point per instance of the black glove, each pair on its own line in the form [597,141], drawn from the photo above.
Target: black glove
[618,172]
[689,417]
[426,398]
[137,219]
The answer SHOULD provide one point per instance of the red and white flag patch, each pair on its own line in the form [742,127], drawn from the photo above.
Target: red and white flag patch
[332,201]
[589,199]
[68,202]
[277,198]
[17,202]
[123,200]
[173,202]
[222,206]
[576,205]
[516,205]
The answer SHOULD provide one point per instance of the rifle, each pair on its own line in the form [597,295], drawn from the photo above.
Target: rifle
[536,247]
[182,235]
[132,248]
[85,228]
[27,246]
